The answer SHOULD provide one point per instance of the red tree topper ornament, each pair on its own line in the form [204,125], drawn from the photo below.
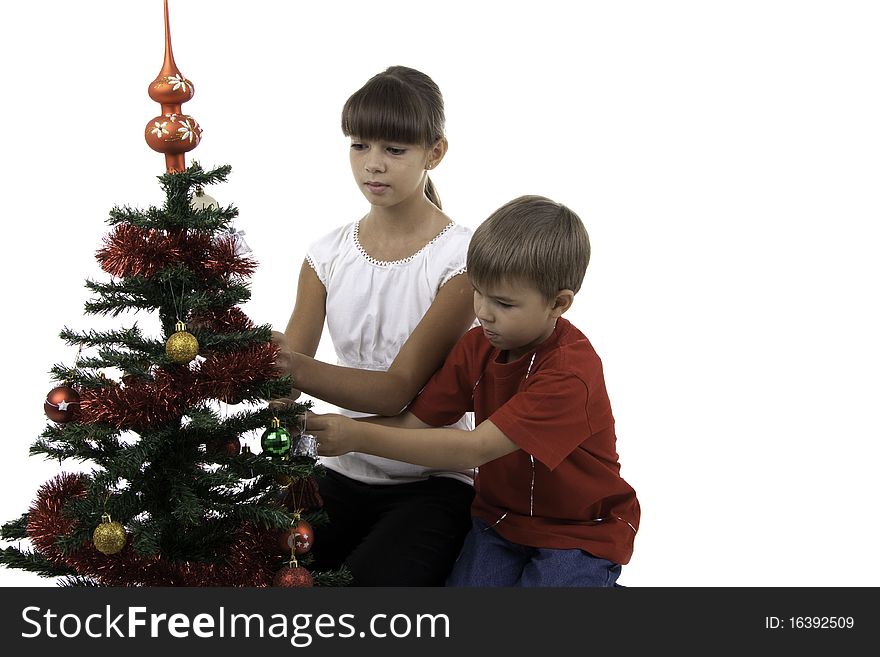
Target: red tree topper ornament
[172,132]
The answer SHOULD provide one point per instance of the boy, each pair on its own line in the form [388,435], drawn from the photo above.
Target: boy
[550,508]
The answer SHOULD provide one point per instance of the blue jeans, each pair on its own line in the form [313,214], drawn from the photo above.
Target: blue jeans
[487,559]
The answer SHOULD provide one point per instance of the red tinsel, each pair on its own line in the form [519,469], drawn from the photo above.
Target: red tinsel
[133,251]
[221,375]
[222,321]
[221,259]
[251,559]
[143,403]
[45,519]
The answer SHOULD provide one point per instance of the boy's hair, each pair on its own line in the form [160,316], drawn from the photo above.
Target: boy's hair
[400,105]
[534,240]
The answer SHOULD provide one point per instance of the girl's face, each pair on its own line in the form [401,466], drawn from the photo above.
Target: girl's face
[389,173]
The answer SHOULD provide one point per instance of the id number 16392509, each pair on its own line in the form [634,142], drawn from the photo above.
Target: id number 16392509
[810,622]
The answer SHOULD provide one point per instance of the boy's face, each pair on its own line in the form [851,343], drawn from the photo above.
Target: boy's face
[515,316]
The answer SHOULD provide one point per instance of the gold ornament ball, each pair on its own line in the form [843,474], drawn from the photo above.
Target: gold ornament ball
[182,347]
[109,537]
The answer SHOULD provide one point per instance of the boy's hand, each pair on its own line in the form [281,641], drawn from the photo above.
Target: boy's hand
[335,433]
[283,366]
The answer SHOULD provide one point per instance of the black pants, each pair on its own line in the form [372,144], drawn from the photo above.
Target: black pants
[392,535]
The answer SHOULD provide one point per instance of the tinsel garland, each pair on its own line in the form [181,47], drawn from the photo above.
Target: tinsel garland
[251,560]
[133,251]
[228,320]
[143,403]
[222,375]
[140,403]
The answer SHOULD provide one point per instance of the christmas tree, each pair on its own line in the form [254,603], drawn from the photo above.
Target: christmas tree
[172,498]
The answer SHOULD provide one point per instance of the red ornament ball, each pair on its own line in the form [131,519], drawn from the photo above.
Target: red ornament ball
[62,404]
[299,538]
[293,577]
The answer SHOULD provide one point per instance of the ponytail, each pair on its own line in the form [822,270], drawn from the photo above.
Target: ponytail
[431,193]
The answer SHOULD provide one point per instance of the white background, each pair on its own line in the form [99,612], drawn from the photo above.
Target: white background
[725,157]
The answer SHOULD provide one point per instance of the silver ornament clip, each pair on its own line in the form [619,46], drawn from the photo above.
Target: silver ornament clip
[241,247]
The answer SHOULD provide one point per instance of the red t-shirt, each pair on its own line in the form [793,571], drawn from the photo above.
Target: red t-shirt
[562,488]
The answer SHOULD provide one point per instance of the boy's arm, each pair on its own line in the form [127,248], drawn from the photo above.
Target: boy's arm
[405,438]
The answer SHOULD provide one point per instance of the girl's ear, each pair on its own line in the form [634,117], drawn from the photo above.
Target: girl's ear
[562,302]
[436,153]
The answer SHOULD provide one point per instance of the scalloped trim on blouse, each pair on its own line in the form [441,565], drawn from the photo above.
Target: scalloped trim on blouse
[403,261]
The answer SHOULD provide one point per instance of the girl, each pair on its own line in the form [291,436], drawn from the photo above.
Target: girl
[393,289]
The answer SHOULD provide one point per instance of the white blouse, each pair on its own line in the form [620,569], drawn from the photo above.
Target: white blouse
[372,308]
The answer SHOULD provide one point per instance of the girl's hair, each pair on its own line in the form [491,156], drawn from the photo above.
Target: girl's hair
[400,105]
[530,240]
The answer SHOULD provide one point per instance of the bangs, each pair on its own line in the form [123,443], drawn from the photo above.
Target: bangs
[385,111]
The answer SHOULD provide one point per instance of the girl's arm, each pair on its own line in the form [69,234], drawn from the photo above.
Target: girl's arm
[303,332]
[383,393]
[304,328]
[400,438]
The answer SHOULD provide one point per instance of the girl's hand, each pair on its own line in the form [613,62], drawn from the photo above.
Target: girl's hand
[284,366]
[335,434]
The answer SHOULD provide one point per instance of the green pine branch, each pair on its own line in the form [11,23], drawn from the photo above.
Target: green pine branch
[264,515]
[60,453]
[125,360]
[341,577]
[138,293]
[187,505]
[130,339]
[15,530]
[118,297]
[180,186]
[178,212]
[253,419]
[233,341]
[31,561]
[67,544]
[79,376]
[144,536]
[83,442]
[194,176]
[203,219]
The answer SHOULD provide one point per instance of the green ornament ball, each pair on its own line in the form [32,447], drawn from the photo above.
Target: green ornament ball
[276,441]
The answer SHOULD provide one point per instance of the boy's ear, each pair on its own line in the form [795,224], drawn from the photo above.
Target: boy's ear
[562,302]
